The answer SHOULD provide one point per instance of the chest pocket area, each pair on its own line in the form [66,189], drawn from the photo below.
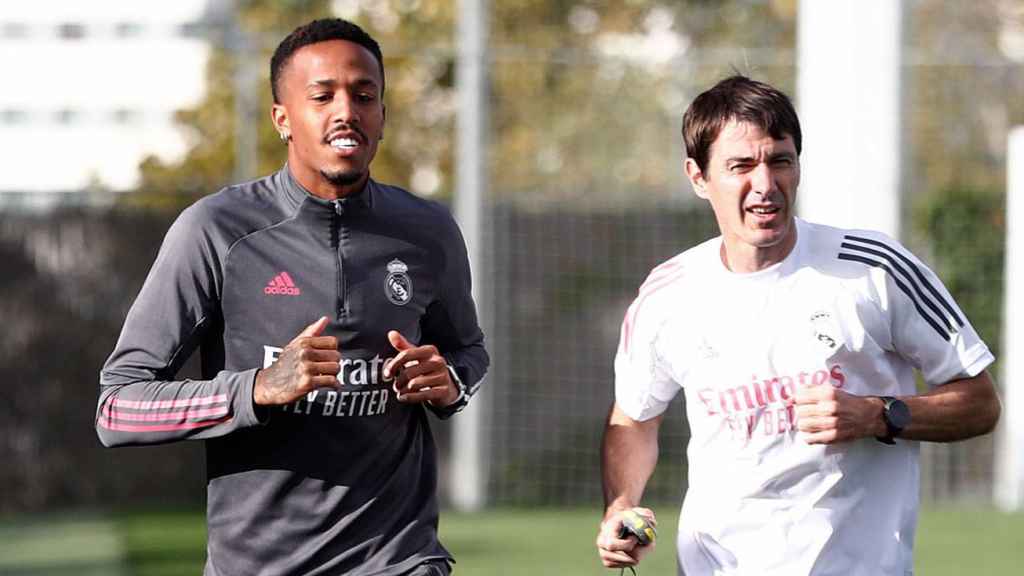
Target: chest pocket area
[394,291]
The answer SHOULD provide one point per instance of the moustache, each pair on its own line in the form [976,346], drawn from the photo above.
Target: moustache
[342,129]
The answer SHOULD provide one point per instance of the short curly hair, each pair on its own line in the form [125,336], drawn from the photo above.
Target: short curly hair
[312,33]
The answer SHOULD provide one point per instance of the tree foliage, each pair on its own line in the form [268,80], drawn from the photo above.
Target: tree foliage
[585,96]
[962,88]
[966,230]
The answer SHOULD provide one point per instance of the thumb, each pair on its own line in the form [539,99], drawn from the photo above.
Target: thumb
[314,329]
[398,341]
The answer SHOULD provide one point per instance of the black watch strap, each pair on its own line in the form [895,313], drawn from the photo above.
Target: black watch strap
[896,416]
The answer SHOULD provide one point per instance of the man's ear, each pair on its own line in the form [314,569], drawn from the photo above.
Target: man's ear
[696,178]
[279,116]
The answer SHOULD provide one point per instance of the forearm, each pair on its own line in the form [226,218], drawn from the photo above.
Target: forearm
[954,411]
[629,454]
[161,411]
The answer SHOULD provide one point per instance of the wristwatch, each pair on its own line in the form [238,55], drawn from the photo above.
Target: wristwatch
[461,401]
[896,416]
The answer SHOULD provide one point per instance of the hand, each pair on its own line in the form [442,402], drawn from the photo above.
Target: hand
[308,362]
[618,552]
[420,373]
[827,415]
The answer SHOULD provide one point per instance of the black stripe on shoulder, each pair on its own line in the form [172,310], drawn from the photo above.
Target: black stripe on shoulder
[894,265]
[945,333]
[917,272]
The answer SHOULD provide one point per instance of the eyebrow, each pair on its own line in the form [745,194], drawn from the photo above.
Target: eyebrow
[333,83]
[774,156]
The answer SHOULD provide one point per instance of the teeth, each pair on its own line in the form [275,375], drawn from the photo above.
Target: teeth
[764,210]
[344,143]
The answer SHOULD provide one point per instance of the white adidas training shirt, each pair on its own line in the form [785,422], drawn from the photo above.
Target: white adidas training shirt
[850,309]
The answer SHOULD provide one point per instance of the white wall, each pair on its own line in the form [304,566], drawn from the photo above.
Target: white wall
[122,90]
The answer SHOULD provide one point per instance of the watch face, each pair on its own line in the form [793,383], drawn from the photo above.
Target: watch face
[897,414]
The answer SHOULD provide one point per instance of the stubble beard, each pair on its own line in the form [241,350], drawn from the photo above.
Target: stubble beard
[342,177]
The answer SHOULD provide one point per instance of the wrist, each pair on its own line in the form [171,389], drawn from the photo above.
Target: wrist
[617,505]
[460,400]
[260,411]
[876,420]
[895,418]
[257,388]
[452,395]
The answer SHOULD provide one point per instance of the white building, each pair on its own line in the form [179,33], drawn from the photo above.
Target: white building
[90,88]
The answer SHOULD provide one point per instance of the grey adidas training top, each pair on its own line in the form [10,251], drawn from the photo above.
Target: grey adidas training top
[343,481]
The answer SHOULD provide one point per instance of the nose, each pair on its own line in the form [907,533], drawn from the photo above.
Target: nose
[345,110]
[761,179]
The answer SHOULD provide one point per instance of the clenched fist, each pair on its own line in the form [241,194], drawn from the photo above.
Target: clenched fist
[420,373]
[827,415]
[618,552]
[308,362]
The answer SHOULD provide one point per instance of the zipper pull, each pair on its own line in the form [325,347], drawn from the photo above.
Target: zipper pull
[339,207]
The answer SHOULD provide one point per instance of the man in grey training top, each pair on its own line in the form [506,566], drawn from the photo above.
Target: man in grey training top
[330,310]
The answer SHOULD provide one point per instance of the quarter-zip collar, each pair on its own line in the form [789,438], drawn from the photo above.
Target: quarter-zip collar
[296,194]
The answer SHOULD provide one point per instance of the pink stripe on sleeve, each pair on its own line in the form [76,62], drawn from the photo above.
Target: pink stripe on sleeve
[165,416]
[164,404]
[111,425]
[648,288]
[660,272]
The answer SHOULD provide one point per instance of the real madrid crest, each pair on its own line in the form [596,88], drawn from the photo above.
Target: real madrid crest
[398,284]
[826,331]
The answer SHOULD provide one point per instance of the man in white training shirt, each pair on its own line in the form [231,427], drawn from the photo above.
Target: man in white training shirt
[795,345]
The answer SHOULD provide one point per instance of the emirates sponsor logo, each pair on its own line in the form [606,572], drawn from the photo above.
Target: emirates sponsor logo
[764,406]
[362,389]
[761,392]
[282,285]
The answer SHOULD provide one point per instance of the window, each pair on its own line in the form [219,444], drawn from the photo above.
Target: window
[68,116]
[13,116]
[126,116]
[128,29]
[71,31]
[193,30]
[13,30]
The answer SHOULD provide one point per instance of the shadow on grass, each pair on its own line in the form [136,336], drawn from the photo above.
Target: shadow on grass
[166,562]
[163,542]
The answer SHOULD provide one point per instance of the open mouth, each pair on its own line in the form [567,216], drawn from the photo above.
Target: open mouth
[764,210]
[345,139]
[344,143]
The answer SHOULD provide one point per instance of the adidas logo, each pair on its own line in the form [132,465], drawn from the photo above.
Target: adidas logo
[282,284]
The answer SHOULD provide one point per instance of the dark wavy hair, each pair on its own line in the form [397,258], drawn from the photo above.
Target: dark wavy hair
[319,31]
[741,99]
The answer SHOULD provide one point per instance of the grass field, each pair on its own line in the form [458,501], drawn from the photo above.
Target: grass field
[951,542]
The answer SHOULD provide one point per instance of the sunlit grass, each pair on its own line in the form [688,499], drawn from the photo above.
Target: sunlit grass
[951,541]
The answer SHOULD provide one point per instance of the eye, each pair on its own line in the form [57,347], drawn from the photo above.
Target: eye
[321,97]
[366,97]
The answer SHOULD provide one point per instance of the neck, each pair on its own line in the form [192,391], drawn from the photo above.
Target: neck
[316,184]
[743,258]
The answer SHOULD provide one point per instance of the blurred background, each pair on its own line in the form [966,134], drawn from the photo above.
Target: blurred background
[566,171]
